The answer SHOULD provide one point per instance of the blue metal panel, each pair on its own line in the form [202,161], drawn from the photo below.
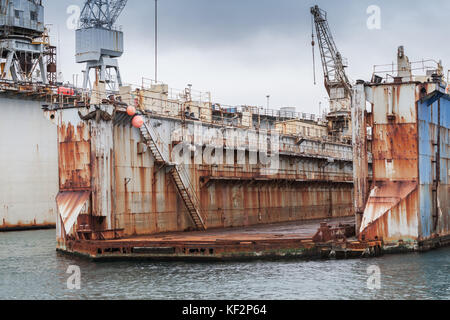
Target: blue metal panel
[426,209]
[425,142]
[425,169]
[445,140]
[428,112]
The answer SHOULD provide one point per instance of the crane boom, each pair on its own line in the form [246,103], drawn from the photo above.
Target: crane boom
[117,7]
[332,62]
[336,81]
[101,13]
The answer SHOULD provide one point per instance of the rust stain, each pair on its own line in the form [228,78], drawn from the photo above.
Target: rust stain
[74,157]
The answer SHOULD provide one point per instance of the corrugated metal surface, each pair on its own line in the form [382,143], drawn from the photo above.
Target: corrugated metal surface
[29,165]
[434,173]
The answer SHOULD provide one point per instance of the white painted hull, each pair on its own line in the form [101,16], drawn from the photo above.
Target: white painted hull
[28,165]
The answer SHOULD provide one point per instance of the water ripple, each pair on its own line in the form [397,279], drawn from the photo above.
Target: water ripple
[31,269]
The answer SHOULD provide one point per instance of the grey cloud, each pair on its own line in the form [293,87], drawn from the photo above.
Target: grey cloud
[243,49]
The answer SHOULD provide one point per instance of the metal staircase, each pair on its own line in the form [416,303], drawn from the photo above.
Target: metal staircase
[178,173]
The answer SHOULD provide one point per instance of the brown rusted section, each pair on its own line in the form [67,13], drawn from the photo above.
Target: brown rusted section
[392,210]
[243,249]
[279,240]
[235,173]
[74,157]
[328,233]
[395,152]
[147,201]
[143,199]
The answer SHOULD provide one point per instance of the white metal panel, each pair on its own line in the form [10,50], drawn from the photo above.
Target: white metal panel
[401,99]
[28,164]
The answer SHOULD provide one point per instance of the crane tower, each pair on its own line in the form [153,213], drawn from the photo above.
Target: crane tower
[336,81]
[99,43]
[22,55]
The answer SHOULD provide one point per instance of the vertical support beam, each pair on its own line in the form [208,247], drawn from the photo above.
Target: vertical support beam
[119,77]
[8,65]
[437,182]
[86,77]
[102,167]
[43,70]
[360,164]
[156,41]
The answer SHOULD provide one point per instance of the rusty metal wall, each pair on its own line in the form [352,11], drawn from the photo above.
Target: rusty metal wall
[29,164]
[392,208]
[407,201]
[74,156]
[394,146]
[147,201]
[130,191]
[86,164]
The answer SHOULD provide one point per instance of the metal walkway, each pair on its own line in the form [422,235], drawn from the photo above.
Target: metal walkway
[178,173]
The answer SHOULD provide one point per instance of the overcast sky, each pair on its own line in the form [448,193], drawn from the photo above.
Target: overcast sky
[243,50]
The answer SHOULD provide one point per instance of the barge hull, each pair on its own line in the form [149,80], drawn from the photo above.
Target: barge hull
[295,240]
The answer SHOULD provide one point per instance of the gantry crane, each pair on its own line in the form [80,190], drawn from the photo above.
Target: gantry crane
[98,42]
[22,56]
[336,81]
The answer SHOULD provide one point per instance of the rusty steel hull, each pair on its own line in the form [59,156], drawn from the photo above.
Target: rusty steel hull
[147,201]
[225,250]
[273,241]
[408,203]
[28,161]
[131,194]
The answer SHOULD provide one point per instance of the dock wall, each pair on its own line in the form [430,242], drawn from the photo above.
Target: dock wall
[29,165]
[408,203]
[130,191]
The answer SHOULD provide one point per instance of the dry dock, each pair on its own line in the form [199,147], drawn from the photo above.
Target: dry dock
[190,165]
[407,203]
[135,183]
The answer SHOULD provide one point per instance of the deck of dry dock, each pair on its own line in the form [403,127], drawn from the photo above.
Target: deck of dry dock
[281,240]
[287,231]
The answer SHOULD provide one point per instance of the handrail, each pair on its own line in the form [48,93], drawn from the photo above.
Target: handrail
[223,171]
[165,154]
[190,189]
[160,145]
